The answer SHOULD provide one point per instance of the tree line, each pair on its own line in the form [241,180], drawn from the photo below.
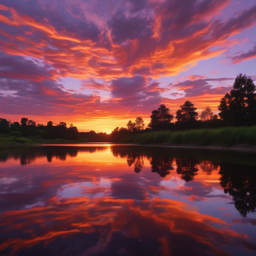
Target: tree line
[29,128]
[237,108]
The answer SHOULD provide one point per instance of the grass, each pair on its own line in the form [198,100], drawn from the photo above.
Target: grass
[224,137]
[10,141]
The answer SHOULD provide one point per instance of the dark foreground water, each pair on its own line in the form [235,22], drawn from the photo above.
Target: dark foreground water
[120,200]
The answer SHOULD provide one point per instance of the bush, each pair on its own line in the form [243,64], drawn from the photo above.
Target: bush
[228,136]
[15,134]
[82,140]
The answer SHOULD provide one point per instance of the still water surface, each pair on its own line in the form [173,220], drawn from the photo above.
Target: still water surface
[126,200]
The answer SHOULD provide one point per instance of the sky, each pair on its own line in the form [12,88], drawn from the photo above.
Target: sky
[98,64]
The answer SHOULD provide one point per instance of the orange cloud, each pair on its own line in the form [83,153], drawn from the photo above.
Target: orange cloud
[168,219]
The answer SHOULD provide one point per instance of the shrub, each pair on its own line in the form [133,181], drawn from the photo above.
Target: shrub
[15,134]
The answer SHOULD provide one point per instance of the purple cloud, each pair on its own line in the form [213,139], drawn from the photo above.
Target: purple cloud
[202,86]
[18,67]
[134,93]
[123,28]
[244,56]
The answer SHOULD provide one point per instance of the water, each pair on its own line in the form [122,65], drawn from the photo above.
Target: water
[126,200]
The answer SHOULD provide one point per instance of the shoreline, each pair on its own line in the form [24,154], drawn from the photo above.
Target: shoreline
[237,148]
[241,148]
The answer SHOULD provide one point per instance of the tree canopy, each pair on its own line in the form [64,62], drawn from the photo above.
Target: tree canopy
[239,106]
[186,113]
[160,118]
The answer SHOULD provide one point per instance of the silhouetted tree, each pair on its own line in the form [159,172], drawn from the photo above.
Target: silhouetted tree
[160,118]
[250,118]
[4,122]
[73,132]
[187,113]
[49,124]
[62,124]
[31,123]
[224,108]
[238,106]
[15,125]
[24,122]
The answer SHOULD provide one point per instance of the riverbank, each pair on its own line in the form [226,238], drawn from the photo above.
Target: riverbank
[235,137]
[7,141]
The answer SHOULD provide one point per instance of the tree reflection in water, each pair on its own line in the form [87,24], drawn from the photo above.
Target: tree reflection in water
[239,181]
[28,156]
[187,168]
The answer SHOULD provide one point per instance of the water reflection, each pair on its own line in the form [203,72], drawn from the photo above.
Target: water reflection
[239,181]
[89,201]
[28,156]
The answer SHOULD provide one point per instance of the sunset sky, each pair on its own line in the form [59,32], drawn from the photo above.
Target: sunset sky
[99,63]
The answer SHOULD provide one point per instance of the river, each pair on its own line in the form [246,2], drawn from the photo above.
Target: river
[104,199]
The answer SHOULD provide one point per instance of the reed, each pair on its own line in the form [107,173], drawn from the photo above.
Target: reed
[225,137]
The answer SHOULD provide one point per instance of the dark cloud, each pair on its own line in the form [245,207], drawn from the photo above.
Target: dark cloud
[18,67]
[58,16]
[245,221]
[182,13]
[244,56]
[134,93]
[202,86]
[144,71]
[34,90]
[138,5]
[129,28]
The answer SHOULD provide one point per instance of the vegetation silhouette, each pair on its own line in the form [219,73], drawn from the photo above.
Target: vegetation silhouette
[239,181]
[39,133]
[187,168]
[160,118]
[239,106]
[27,156]
[163,165]
[237,178]
[187,113]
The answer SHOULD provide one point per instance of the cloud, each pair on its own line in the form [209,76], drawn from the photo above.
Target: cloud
[245,221]
[196,198]
[195,77]
[201,86]
[244,56]
[137,5]
[92,84]
[134,93]
[123,28]
[17,67]
[156,39]
[121,43]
